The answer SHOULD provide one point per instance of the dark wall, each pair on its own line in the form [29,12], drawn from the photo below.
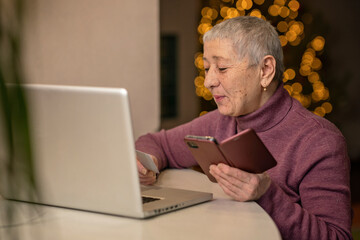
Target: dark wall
[339,22]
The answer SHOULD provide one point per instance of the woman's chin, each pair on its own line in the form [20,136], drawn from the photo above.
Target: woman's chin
[225,111]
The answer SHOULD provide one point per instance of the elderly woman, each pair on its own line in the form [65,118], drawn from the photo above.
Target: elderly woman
[307,194]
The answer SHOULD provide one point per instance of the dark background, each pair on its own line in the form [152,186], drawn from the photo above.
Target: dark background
[339,21]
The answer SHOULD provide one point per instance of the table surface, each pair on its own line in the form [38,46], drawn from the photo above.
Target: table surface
[221,218]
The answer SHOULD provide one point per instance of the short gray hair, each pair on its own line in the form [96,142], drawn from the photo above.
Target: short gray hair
[252,37]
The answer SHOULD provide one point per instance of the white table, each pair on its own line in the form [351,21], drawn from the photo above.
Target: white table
[221,218]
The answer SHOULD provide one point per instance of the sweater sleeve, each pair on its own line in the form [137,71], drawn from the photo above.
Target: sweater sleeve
[168,146]
[323,210]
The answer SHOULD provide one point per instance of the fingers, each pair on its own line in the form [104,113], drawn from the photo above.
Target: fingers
[146,177]
[238,184]
[231,174]
[141,169]
[232,190]
[235,187]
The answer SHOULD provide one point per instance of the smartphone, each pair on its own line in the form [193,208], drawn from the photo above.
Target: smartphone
[244,150]
[247,152]
[205,151]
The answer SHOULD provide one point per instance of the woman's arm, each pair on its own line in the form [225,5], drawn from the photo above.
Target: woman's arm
[323,209]
[168,146]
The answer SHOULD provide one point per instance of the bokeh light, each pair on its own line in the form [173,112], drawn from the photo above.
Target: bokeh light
[318,43]
[282,26]
[289,74]
[294,5]
[259,2]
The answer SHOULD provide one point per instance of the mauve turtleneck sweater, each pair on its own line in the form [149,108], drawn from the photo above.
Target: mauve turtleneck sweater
[309,197]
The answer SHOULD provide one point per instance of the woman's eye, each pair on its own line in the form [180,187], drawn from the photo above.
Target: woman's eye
[222,69]
[206,69]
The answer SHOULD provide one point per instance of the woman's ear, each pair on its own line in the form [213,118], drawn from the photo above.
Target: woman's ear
[268,68]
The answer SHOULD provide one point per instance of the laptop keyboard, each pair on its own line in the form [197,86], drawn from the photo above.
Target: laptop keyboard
[149,199]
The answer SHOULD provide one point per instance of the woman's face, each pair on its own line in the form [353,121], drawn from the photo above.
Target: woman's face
[234,85]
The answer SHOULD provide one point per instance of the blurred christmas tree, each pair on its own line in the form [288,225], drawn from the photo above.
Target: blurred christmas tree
[303,48]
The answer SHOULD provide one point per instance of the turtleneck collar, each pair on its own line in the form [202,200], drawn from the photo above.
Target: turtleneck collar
[269,115]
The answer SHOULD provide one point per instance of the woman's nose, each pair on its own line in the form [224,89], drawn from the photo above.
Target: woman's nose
[211,79]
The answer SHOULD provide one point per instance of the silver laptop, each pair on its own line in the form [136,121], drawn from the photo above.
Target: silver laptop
[85,154]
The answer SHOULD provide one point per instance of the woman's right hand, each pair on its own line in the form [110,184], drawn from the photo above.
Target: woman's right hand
[147,177]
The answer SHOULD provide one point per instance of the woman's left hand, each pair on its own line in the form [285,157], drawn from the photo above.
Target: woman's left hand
[238,184]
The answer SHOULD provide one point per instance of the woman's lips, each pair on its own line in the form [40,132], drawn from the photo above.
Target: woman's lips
[218,97]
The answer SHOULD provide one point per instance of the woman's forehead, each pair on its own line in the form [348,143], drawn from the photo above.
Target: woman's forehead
[222,50]
[219,44]
[219,49]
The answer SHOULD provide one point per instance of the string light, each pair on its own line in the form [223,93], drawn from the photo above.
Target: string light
[294,5]
[203,113]
[289,74]
[259,2]
[255,13]
[284,14]
[282,26]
